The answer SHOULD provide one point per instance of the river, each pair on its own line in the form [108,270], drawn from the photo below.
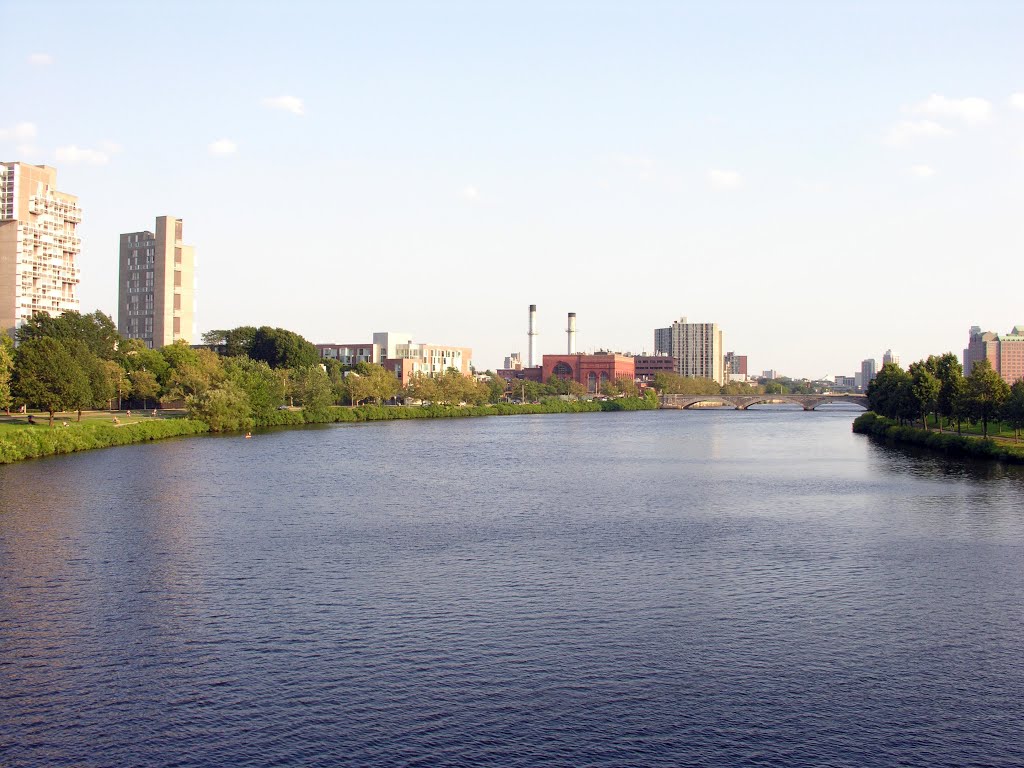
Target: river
[667,588]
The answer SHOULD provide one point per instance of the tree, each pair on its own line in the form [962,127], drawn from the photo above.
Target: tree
[891,394]
[986,392]
[421,387]
[957,401]
[674,384]
[100,375]
[282,349]
[313,389]
[134,355]
[6,371]
[949,372]
[143,384]
[224,407]
[122,385]
[46,376]
[261,384]
[95,330]
[194,371]
[496,387]
[1013,409]
[236,342]
[620,388]
[925,387]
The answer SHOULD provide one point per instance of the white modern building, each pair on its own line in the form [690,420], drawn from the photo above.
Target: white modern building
[39,245]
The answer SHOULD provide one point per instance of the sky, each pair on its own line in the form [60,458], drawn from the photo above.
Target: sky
[824,180]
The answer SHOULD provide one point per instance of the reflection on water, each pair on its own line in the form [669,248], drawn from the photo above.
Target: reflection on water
[671,588]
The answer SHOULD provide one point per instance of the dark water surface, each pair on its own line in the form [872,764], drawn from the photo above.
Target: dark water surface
[648,589]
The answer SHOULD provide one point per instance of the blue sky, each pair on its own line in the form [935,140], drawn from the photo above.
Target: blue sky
[824,180]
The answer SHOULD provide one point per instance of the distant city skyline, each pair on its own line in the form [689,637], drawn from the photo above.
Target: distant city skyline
[823,181]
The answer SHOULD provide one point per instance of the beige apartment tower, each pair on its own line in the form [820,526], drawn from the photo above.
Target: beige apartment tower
[696,347]
[155,285]
[39,245]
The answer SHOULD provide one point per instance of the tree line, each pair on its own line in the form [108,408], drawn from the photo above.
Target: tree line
[76,362]
[937,387]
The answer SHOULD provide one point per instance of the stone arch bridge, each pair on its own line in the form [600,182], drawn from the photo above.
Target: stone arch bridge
[742,402]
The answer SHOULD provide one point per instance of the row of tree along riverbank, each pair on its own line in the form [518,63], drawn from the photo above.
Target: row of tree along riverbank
[947,442]
[17,443]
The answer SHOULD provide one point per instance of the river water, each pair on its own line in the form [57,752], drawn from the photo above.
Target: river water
[712,588]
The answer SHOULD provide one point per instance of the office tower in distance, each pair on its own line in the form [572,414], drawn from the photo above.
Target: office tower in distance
[155,285]
[39,245]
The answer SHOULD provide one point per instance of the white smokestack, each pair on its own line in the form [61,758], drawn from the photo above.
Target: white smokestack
[571,330]
[531,335]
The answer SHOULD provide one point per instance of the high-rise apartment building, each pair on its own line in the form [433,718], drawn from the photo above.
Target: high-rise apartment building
[39,245]
[696,347]
[155,286]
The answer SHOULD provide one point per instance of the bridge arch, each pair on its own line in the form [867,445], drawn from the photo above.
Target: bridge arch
[861,402]
[767,399]
[698,399]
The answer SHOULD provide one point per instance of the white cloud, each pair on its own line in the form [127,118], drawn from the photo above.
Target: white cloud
[723,179]
[291,104]
[223,147]
[75,155]
[19,132]
[972,110]
[470,192]
[922,171]
[40,59]
[1017,101]
[908,130]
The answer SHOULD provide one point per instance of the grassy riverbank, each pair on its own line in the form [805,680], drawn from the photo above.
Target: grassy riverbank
[19,441]
[946,442]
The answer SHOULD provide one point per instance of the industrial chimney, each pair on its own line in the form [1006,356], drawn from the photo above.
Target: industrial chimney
[531,335]
[571,330]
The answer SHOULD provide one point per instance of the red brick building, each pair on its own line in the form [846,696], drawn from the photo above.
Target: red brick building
[592,371]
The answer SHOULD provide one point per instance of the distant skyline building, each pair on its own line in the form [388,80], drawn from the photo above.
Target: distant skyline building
[1005,353]
[868,371]
[39,245]
[156,293]
[696,347]
[889,357]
